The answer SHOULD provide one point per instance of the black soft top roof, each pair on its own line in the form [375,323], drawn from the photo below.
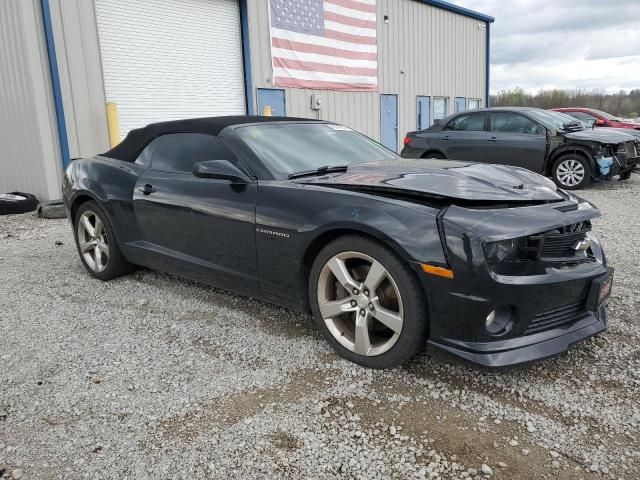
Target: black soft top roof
[129,149]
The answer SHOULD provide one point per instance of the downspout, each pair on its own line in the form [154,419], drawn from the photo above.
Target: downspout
[488,65]
[246,57]
[55,82]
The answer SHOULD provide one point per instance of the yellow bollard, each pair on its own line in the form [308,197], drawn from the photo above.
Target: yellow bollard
[112,124]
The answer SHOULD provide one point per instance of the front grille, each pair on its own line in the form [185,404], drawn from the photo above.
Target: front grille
[559,243]
[556,317]
[626,151]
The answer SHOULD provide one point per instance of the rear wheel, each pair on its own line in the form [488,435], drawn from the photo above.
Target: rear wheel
[571,172]
[367,303]
[96,243]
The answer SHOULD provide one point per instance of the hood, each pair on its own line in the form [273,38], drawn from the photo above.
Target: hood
[628,131]
[440,179]
[600,135]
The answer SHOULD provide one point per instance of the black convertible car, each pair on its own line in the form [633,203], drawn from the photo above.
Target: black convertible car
[492,263]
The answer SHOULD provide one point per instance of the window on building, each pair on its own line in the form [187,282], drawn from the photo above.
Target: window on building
[461,104]
[474,104]
[509,122]
[470,122]
[179,152]
[440,107]
[423,111]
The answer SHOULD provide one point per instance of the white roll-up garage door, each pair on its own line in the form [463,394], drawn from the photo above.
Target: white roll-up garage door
[171,59]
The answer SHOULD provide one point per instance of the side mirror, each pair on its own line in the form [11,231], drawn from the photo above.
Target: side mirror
[221,170]
[599,123]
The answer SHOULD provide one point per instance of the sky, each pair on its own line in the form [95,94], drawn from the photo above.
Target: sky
[563,43]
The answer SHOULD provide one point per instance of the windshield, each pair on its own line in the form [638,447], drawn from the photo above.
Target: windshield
[296,147]
[557,119]
[606,115]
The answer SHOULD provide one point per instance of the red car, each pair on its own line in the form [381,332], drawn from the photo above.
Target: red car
[591,116]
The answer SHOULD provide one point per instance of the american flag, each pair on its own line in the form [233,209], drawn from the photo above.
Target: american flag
[324,44]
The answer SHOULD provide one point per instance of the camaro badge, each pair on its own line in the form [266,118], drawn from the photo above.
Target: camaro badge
[272,233]
[582,245]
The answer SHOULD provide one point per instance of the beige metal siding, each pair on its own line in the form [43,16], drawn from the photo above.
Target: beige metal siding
[29,156]
[423,50]
[80,69]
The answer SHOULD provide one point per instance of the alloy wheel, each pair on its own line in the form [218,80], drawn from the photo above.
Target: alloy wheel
[360,303]
[570,172]
[93,241]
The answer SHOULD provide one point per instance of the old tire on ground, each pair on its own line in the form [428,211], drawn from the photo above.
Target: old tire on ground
[53,209]
[367,303]
[571,172]
[96,243]
[17,202]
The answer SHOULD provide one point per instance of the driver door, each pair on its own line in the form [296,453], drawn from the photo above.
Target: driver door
[197,227]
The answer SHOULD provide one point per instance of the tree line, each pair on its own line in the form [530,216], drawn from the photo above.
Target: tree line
[622,104]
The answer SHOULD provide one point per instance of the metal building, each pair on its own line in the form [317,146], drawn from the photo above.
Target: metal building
[63,61]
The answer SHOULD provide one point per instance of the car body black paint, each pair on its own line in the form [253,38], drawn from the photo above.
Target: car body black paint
[253,238]
[534,152]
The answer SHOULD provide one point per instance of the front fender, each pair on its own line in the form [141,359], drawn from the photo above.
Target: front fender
[293,222]
[411,234]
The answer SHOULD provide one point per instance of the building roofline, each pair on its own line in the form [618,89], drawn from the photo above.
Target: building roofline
[460,10]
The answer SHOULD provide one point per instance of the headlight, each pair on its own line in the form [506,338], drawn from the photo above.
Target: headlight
[504,250]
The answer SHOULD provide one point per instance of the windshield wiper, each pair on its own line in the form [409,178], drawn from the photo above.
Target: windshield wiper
[318,171]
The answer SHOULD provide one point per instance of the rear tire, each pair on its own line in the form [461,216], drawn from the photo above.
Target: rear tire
[96,243]
[380,319]
[571,172]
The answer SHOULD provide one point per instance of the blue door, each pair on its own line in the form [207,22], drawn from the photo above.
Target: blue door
[389,121]
[461,104]
[423,110]
[271,102]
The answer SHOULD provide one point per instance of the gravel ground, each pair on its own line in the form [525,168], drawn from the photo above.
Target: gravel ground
[149,376]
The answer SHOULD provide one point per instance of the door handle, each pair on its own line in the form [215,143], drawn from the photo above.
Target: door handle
[147,189]
[446,137]
[493,139]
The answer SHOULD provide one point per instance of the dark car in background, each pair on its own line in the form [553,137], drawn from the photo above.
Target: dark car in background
[492,263]
[597,118]
[545,142]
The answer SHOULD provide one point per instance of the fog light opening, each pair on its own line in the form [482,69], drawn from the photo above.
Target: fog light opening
[499,321]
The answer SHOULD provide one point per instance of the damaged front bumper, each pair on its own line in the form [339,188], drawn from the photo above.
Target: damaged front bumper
[543,313]
[521,350]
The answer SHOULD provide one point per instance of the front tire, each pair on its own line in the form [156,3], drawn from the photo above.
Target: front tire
[96,243]
[571,172]
[367,303]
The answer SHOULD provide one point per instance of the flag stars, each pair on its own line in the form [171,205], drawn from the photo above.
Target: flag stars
[302,16]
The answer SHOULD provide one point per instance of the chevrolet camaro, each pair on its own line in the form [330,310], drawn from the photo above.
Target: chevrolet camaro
[492,263]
